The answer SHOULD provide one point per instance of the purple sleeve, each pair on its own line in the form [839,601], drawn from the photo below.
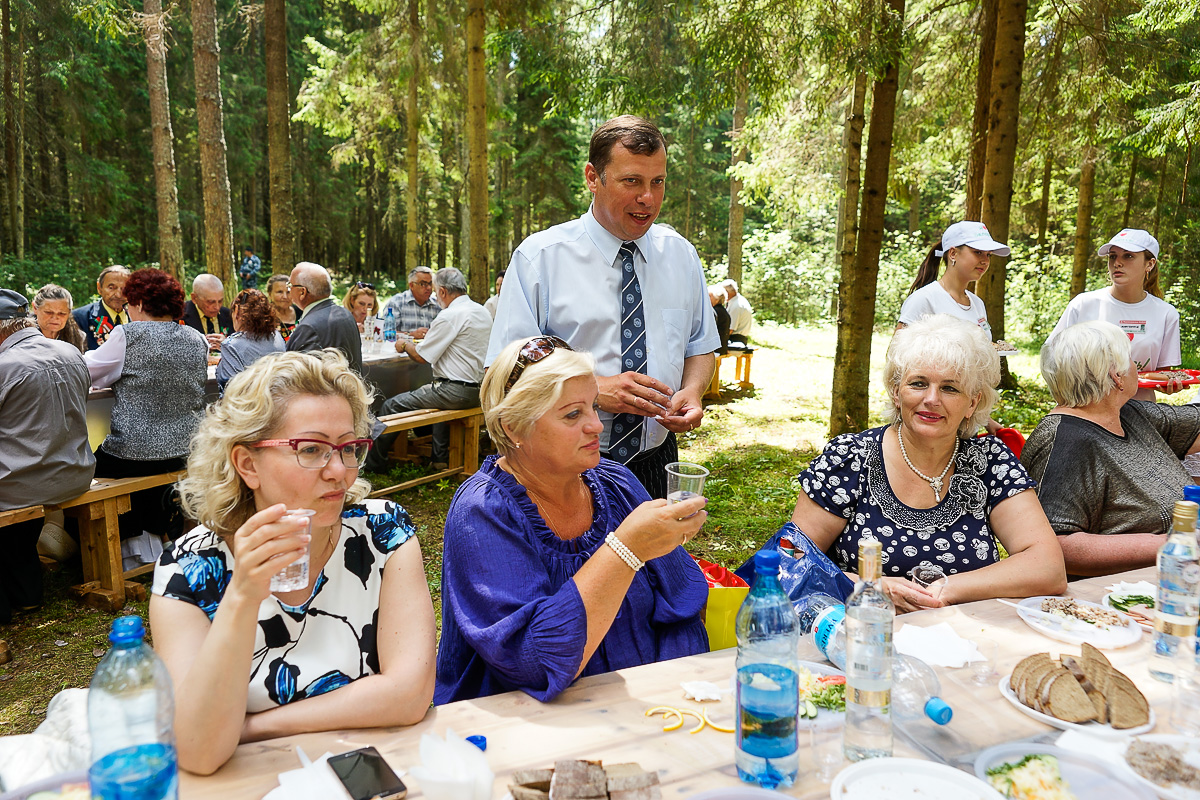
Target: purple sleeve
[503,601]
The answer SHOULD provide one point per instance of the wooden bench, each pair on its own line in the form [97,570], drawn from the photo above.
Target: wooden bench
[463,458]
[741,371]
[15,515]
[105,584]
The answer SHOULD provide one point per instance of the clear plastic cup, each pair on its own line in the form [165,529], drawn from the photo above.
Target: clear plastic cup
[295,575]
[684,481]
[983,671]
[929,577]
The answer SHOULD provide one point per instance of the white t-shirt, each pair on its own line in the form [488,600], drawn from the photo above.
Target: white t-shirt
[457,340]
[932,298]
[1152,326]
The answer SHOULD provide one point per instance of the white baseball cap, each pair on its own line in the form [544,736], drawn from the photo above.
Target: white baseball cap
[1134,239]
[972,234]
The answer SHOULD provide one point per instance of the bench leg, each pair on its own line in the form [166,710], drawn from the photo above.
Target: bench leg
[100,548]
[454,456]
[714,386]
[471,447]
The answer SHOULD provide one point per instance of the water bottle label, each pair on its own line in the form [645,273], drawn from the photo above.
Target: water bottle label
[827,624]
[1173,625]
[871,699]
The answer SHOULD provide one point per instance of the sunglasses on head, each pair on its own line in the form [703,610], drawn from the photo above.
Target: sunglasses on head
[363,285]
[532,352]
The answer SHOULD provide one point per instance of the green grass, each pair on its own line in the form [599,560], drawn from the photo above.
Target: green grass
[753,441]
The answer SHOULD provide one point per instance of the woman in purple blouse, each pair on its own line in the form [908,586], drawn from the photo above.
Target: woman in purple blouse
[557,563]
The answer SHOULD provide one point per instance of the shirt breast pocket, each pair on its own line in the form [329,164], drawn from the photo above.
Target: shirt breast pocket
[675,325]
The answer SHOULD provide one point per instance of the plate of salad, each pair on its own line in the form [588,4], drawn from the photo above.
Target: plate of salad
[1134,599]
[822,694]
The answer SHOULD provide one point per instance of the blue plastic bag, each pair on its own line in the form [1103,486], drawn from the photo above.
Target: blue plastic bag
[808,572]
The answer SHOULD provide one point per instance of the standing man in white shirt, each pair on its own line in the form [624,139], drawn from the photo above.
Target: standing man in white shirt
[629,291]
[454,345]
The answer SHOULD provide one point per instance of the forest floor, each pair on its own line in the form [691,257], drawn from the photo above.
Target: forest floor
[753,441]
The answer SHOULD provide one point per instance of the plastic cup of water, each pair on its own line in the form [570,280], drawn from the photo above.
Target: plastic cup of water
[929,577]
[1185,710]
[983,670]
[295,575]
[827,748]
[684,481]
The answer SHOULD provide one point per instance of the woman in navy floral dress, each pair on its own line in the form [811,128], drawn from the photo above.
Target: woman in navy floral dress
[352,649]
[929,490]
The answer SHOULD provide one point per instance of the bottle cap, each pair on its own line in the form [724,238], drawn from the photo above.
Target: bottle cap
[1185,512]
[127,629]
[938,710]
[479,741]
[766,562]
[1192,492]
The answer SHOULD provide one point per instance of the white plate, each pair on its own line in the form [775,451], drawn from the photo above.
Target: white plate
[1191,748]
[1087,777]
[908,778]
[1106,601]
[1075,631]
[825,717]
[1092,728]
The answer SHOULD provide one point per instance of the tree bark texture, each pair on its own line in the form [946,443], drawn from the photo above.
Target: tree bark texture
[856,310]
[10,133]
[737,213]
[21,181]
[1162,189]
[977,153]
[1133,168]
[166,192]
[1083,221]
[279,137]
[413,126]
[851,181]
[477,159]
[1003,120]
[214,170]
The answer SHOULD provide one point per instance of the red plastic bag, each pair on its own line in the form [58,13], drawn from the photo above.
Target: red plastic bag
[726,591]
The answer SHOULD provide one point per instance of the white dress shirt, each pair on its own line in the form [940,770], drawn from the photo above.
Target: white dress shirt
[566,281]
[741,315]
[457,341]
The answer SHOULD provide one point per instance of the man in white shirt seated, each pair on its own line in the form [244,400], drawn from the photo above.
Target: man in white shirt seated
[455,345]
[741,314]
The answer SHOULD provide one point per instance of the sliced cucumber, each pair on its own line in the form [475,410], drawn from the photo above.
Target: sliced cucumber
[810,710]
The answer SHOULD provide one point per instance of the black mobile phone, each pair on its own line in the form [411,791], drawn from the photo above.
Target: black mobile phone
[367,776]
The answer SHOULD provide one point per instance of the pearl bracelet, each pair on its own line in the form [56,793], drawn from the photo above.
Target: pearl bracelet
[624,552]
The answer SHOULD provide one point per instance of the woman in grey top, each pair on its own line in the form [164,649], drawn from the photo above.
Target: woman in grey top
[256,333]
[1107,464]
[157,369]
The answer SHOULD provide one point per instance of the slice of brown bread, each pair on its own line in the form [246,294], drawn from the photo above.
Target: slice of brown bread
[1033,677]
[1127,706]
[1019,672]
[1065,699]
[1038,692]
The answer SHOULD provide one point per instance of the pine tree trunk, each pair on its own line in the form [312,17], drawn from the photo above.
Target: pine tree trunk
[851,183]
[22,188]
[166,192]
[1133,168]
[10,132]
[977,154]
[1162,189]
[279,137]
[477,171]
[856,311]
[1044,205]
[1003,119]
[738,148]
[1083,221]
[218,222]
[914,205]
[413,127]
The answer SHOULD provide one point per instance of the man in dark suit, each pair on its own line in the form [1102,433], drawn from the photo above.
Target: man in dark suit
[97,319]
[322,323]
[205,311]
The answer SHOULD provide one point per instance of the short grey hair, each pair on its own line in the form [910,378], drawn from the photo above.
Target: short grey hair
[52,291]
[450,279]
[207,282]
[950,344]
[415,271]
[1078,363]
[315,279]
[536,391]
[730,283]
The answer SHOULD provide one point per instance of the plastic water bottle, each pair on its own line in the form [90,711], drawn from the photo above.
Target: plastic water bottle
[768,691]
[869,617]
[916,690]
[389,325]
[1177,605]
[130,712]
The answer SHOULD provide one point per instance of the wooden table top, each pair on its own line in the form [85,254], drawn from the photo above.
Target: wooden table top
[602,717]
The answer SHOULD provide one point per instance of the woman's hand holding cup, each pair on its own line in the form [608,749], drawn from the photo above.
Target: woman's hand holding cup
[656,527]
[266,543]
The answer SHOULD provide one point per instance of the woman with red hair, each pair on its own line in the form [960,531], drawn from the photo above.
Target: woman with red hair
[157,369]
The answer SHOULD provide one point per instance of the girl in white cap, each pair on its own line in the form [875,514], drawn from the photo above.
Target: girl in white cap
[1133,302]
[966,248]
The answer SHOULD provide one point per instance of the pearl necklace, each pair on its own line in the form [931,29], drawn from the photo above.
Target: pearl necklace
[934,483]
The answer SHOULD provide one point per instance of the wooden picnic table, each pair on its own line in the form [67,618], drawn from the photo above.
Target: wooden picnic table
[602,717]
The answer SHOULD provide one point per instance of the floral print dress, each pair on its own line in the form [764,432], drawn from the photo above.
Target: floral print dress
[318,646]
[849,479]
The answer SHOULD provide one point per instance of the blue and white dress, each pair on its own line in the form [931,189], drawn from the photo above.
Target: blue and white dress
[849,479]
[318,646]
